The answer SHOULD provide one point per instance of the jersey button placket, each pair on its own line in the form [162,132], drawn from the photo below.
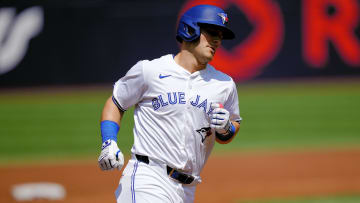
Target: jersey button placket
[188,116]
[191,90]
[190,93]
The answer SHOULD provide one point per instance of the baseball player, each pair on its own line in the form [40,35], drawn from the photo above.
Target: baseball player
[182,106]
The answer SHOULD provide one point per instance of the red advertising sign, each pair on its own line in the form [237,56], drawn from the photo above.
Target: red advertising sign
[332,21]
[323,22]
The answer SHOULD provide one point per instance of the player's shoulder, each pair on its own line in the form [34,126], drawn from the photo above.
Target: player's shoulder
[151,68]
[147,65]
[218,75]
[156,62]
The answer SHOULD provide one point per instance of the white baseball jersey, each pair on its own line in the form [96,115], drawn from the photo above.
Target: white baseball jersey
[172,108]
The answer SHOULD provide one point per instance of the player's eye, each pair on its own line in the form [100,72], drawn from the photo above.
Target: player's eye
[213,32]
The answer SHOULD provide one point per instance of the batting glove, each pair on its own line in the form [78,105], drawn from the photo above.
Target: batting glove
[111,156]
[220,119]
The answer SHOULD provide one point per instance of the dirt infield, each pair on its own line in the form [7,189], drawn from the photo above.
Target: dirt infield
[225,178]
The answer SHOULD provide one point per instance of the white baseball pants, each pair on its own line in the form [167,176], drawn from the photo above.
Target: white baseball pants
[150,183]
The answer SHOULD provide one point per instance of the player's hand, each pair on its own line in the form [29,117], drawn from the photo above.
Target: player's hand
[220,119]
[111,156]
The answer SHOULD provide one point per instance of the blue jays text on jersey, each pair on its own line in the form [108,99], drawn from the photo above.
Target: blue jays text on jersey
[172,98]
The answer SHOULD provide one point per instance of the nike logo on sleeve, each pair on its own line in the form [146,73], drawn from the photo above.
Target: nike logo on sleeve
[163,76]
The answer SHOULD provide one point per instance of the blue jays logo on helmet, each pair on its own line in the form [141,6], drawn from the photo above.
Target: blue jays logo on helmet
[224,18]
[190,22]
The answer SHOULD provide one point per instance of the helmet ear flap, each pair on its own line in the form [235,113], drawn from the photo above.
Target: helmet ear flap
[187,32]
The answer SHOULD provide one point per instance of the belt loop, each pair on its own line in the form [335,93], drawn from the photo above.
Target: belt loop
[141,158]
[171,172]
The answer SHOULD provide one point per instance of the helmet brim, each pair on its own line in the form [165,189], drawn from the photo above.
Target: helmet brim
[227,33]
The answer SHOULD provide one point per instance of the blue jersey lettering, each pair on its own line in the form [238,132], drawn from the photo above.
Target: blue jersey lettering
[170,100]
[179,98]
[203,104]
[155,104]
[162,102]
[196,102]
[182,98]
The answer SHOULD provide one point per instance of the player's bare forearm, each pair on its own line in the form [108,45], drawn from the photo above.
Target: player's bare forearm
[237,127]
[111,156]
[111,112]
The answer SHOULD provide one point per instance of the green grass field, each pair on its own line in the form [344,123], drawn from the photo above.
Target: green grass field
[36,124]
[298,116]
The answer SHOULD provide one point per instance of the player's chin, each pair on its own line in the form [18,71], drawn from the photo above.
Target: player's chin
[212,53]
[210,56]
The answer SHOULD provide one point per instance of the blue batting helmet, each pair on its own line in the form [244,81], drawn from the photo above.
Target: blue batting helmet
[189,24]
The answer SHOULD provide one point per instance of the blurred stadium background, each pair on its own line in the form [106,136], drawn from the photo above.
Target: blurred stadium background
[296,64]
